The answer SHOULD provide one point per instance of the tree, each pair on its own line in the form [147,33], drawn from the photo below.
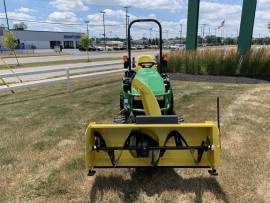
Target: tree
[9,42]
[85,43]
[20,26]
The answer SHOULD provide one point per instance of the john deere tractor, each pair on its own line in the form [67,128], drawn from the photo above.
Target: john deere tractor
[148,133]
[149,71]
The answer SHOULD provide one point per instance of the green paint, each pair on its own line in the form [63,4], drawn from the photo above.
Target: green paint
[152,78]
[247,24]
[192,24]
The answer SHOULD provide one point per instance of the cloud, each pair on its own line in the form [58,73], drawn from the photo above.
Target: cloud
[63,17]
[17,15]
[25,10]
[69,5]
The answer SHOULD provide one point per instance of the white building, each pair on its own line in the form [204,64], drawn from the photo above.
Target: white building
[47,39]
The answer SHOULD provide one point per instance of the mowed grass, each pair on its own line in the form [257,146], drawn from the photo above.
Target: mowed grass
[42,144]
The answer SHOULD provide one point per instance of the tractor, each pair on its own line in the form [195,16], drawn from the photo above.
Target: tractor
[147,133]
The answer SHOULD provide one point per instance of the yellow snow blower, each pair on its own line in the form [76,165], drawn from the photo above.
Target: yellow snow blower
[147,133]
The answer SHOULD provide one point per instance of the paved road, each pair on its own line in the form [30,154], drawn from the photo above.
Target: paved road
[75,56]
[88,67]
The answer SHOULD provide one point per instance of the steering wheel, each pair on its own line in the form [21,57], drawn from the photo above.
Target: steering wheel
[147,64]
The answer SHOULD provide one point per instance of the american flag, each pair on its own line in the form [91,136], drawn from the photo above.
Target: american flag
[222,24]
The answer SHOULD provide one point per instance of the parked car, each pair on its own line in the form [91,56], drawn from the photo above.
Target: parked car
[109,48]
[99,48]
[177,47]
[139,47]
[116,48]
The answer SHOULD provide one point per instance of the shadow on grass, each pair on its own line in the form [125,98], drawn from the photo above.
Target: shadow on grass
[155,182]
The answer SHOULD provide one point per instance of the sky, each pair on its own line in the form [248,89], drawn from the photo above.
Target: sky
[70,15]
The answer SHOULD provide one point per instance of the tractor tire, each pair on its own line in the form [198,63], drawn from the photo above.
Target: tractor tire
[171,110]
[121,103]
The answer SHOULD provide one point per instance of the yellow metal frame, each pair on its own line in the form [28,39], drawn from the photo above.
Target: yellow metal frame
[116,134]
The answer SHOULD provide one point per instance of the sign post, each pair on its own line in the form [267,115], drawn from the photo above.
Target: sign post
[247,25]
[192,24]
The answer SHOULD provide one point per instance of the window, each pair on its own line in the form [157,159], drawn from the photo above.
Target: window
[54,44]
[68,45]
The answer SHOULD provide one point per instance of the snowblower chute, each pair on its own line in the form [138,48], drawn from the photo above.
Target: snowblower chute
[150,136]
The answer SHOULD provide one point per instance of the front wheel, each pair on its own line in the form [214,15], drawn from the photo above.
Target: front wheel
[121,103]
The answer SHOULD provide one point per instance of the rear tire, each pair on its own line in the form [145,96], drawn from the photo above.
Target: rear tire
[121,103]
[171,110]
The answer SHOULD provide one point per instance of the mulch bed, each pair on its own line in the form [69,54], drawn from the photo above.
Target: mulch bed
[218,79]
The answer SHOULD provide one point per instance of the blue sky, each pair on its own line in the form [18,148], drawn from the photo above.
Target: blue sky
[171,13]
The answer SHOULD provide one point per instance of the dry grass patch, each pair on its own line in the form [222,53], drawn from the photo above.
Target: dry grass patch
[42,137]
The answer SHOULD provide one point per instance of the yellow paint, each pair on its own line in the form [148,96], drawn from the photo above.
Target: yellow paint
[116,134]
[143,59]
[150,104]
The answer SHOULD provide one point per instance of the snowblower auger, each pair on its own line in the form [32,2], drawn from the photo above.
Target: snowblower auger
[154,137]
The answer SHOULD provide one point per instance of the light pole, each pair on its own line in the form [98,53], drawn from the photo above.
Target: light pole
[150,29]
[87,30]
[127,23]
[104,34]
[6,14]
[216,35]
[203,31]
[181,31]
[128,19]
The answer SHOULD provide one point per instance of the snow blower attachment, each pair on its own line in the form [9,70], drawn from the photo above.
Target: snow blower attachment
[147,133]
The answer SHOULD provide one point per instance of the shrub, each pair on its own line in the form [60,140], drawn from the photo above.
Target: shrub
[221,62]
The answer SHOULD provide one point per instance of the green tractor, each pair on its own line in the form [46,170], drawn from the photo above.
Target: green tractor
[151,72]
[147,133]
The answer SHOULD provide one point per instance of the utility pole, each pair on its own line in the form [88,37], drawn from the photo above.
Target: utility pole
[87,30]
[181,32]
[215,35]
[167,34]
[150,32]
[127,23]
[6,14]
[203,31]
[201,35]
[104,34]
[128,19]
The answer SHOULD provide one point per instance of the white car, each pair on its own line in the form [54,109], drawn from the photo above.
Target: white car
[100,48]
[177,47]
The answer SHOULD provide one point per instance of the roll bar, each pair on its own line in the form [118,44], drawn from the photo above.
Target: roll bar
[160,41]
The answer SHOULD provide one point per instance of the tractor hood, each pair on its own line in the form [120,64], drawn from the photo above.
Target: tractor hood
[152,78]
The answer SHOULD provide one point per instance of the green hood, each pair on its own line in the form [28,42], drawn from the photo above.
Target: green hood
[152,78]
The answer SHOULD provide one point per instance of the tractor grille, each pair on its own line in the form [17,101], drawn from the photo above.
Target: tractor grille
[137,104]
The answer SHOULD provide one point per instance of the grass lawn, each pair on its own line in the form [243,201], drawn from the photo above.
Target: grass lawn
[42,140]
[50,63]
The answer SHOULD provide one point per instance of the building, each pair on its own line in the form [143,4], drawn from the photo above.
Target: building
[47,39]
